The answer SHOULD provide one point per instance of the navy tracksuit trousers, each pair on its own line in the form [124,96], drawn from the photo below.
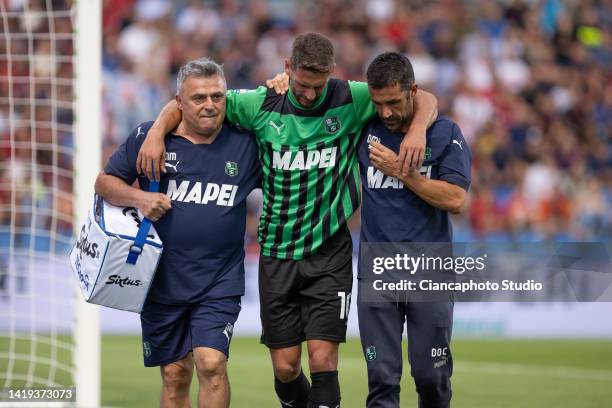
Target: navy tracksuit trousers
[429,327]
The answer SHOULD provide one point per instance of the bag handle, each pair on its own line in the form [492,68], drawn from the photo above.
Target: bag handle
[145,225]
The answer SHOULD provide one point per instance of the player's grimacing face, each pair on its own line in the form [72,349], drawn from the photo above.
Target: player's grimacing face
[202,102]
[306,86]
[394,106]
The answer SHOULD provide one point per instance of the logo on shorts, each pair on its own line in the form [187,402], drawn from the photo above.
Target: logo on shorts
[427,153]
[371,353]
[228,331]
[146,349]
[332,125]
[440,363]
[443,353]
[231,168]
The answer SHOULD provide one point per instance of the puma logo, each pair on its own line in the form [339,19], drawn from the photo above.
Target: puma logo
[139,132]
[459,143]
[173,166]
[228,331]
[277,127]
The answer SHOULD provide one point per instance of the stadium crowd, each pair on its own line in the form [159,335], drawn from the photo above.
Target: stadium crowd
[528,81]
[36,117]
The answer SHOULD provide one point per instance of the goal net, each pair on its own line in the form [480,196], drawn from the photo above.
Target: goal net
[48,337]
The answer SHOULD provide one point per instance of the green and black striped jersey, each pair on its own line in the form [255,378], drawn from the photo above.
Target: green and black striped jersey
[309,161]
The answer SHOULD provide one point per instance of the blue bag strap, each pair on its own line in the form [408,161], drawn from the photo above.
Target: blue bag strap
[145,225]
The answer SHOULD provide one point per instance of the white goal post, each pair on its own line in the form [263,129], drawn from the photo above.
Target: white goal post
[50,154]
[87,164]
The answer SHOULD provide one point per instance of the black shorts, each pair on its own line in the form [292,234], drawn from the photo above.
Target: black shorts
[307,299]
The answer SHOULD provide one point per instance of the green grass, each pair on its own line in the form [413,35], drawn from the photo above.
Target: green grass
[487,373]
[42,366]
[495,373]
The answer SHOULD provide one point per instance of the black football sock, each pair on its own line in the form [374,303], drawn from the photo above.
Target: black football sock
[293,394]
[325,390]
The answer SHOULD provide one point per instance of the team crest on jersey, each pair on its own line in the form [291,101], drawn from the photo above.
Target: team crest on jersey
[332,124]
[231,168]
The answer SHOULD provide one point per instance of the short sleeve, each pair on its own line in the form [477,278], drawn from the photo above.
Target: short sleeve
[364,108]
[254,179]
[256,173]
[122,163]
[243,105]
[456,162]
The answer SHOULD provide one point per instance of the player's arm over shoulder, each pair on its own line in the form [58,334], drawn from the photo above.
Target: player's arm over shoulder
[426,109]
[122,162]
[364,108]
[243,105]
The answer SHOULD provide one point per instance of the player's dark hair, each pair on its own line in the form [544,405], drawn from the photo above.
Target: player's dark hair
[202,67]
[388,69]
[313,52]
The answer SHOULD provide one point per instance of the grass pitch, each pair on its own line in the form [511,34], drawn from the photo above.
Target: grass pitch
[491,373]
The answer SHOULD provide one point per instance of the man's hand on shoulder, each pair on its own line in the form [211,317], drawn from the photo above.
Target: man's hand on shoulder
[280,83]
[152,154]
[154,205]
[412,148]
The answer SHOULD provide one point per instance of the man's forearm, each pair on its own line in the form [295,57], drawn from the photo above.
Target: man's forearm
[169,118]
[117,192]
[426,109]
[437,193]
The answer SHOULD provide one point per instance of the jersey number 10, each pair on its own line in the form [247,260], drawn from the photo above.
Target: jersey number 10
[345,304]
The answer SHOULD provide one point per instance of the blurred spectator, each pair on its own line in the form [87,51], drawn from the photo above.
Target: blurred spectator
[528,82]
